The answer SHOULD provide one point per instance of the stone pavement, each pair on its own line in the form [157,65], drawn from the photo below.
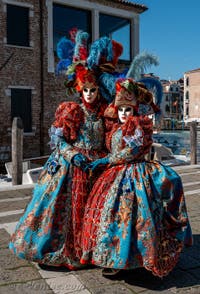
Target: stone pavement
[20,276]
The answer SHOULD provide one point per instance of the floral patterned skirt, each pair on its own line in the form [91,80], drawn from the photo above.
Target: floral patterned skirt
[136,216]
[49,232]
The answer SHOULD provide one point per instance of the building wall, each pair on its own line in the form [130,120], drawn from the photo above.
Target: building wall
[21,71]
[172,104]
[192,88]
[28,67]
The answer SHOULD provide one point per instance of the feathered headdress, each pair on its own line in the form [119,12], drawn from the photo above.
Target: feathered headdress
[140,63]
[138,93]
[98,64]
[103,57]
[137,68]
[130,93]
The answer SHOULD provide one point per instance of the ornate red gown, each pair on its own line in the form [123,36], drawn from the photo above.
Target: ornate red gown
[135,215]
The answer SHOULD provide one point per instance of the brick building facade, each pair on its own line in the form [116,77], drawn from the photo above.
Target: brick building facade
[28,85]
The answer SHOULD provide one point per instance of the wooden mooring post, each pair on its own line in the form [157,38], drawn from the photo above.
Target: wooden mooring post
[17,151]
[193,142]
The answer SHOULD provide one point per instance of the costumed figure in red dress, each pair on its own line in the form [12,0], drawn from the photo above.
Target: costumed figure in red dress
[135,215]
[49,232]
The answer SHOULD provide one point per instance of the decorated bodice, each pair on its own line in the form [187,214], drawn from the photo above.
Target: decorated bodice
[116,141]
[131,141]
[91,133]
[126,153]
[76,130]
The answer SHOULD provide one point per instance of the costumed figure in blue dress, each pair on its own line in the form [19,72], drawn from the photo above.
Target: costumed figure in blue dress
[136,214]
[49,232]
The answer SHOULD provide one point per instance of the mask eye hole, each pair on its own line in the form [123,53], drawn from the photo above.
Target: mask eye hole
[85,90]
[93,90]
[128,109]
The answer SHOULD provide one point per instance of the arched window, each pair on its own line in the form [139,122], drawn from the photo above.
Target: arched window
[187,95]
[187,81]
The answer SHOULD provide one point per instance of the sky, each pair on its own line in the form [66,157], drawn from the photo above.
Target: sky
[170,29]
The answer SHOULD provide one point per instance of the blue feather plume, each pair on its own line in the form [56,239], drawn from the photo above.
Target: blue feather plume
[119,75]
[107,86]
[80,41]
[140,63]
[65,49]
[155,87]
[100,48]
[62,66]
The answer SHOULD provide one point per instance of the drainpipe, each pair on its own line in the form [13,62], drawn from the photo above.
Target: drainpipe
[41,81]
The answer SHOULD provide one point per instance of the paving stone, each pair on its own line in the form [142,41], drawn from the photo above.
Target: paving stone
[9,227]
[194,178]
[194,187]
[179,279]
[7,194]
[112,289]
[195,273]
[52,274]
[22,274]
[189,261]
[4,238]
[32,287]
[10,261]
[85,291]
[10,206]
[156,292]
[139,280]
[10,218]
[93,278]
[67,284]
[185,278]
[194,290]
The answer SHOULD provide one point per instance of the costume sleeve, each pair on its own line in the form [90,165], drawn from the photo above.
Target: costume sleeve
[67,150]
[69,116]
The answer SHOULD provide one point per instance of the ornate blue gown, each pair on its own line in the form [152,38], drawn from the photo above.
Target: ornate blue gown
[49,232]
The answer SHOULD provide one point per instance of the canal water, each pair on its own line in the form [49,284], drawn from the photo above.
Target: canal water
[178,141]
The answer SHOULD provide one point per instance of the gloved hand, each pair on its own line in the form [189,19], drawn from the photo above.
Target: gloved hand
[80,160]
[53,166]
[135,150]
[93,165]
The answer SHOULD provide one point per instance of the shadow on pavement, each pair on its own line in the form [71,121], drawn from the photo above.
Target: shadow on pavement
[185,274]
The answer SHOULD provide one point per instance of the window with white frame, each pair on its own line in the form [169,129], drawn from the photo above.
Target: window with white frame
[97,19]
[21,107]
[119,29]
[66,18]
[17,25]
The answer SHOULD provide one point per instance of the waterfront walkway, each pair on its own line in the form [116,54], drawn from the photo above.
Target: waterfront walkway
[20,276]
